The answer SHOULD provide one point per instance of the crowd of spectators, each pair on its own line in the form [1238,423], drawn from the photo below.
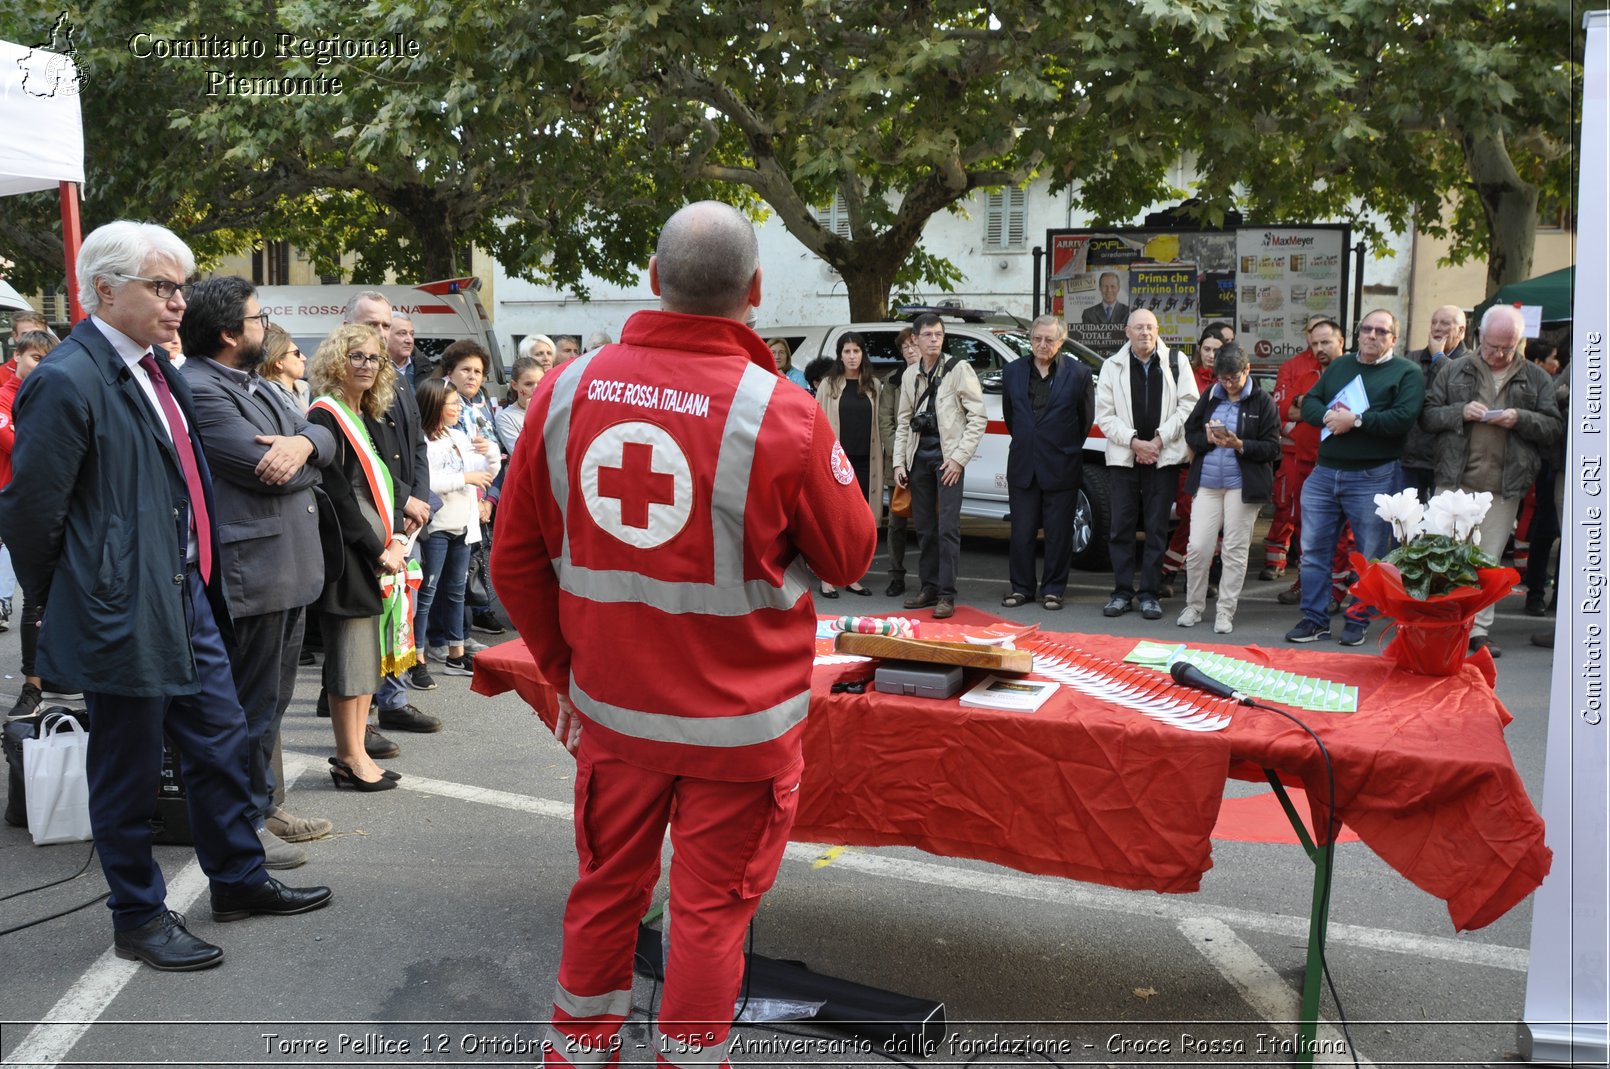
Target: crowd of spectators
[1195,433]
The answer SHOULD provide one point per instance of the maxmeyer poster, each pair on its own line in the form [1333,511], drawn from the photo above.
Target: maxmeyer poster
[1264,282]
[1284,277]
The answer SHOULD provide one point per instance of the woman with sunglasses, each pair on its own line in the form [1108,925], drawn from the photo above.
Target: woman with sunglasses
[285,365]
[354,382]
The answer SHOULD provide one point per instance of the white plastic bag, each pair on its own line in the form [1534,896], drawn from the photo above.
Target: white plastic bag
[53,767]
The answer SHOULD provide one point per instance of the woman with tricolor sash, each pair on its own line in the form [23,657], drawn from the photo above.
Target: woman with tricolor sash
[364,609]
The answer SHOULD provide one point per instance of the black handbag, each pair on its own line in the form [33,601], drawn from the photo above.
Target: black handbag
[478,584]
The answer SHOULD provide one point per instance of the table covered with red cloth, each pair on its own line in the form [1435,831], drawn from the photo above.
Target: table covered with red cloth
[1098,792]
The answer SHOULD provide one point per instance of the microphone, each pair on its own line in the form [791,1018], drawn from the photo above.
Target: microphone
[1188,675]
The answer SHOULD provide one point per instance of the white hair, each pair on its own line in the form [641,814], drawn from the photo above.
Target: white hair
[123,248]
[1054,321]
[598,339]
[362,295]
[1503,311]
[528,345]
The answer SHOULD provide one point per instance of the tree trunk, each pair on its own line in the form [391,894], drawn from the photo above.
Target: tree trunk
[430,229]
[1510,204]
[868,289]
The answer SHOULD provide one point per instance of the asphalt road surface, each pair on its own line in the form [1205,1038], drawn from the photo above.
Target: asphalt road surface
[442,942]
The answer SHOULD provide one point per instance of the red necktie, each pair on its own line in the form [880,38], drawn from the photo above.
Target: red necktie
[187,464]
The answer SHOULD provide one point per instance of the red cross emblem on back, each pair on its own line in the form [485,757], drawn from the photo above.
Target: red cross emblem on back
[636,484]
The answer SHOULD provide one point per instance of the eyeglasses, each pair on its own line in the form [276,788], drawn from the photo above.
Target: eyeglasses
[1376,330]
[1498,350]
[357,359]
[261,317]
[162,287]
[1043,340]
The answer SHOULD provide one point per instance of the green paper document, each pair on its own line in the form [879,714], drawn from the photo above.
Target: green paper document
[1260,681]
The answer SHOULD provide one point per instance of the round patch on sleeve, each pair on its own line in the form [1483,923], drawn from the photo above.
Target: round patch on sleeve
[841,466]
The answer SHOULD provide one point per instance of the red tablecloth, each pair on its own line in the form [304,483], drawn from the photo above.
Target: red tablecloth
[1096,792]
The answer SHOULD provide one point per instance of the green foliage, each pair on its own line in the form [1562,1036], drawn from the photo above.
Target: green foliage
[558,135]
[479,136]
[1433,564]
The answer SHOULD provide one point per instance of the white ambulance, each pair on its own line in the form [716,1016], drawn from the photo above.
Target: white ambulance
[442,312]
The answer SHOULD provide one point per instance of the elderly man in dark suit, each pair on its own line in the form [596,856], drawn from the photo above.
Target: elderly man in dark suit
[1049,404]
[110,520]
[266,459]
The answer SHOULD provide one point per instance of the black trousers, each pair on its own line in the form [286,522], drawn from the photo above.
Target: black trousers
[1141,497]
[1544,532]
[268,648]
[1033,510]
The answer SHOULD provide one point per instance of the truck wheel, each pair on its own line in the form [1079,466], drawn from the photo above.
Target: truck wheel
[1092,521]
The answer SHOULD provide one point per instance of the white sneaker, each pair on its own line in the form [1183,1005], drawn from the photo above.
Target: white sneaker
[1223,624]
[438,654]
[473,646]
[1189,617]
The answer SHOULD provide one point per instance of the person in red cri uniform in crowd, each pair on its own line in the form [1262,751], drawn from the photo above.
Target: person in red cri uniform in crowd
[1299,451]
[654,547]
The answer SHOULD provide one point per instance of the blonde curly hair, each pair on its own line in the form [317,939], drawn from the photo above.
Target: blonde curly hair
[327,371]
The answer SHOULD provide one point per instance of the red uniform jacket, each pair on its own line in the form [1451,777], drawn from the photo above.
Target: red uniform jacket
[1296,377]
[651,541]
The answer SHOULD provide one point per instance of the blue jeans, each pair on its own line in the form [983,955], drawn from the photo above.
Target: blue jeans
[439,616]
[1330,497]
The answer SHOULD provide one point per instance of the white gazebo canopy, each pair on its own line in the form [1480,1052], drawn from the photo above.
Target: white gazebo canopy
[43,144]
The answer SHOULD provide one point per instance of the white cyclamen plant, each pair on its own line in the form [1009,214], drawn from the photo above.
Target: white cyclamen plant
[1437,550]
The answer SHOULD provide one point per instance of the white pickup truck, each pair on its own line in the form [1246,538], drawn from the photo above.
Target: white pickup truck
[989,348]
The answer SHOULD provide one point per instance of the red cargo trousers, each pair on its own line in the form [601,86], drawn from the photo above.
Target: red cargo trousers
[727,841]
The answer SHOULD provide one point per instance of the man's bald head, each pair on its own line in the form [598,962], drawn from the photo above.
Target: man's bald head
[707,262]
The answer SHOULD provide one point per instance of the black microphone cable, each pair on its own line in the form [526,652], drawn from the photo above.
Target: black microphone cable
[53,883]
[1330,869]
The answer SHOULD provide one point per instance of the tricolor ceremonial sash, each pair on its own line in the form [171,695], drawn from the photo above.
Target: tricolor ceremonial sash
[397,599]
[357,436]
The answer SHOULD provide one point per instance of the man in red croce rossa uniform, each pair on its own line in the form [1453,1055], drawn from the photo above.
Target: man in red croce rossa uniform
[652,546]
[1299,452]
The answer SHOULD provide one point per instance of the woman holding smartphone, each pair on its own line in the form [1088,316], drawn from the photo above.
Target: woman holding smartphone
[1234,434]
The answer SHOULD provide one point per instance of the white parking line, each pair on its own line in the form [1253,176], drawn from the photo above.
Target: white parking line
[1261,986]
[74,1013]
[50,1041]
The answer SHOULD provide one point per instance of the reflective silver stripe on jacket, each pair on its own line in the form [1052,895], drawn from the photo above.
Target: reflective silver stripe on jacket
[728,594]
[610,1004]
[675,1052]
[577,1052]
[744,729]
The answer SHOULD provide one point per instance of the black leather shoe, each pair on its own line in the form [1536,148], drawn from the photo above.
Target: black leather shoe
[270,897]
[1482,642]
[1537,603]
[322,706]
[377,745]
[896,587]
[163,943]
[409,719]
